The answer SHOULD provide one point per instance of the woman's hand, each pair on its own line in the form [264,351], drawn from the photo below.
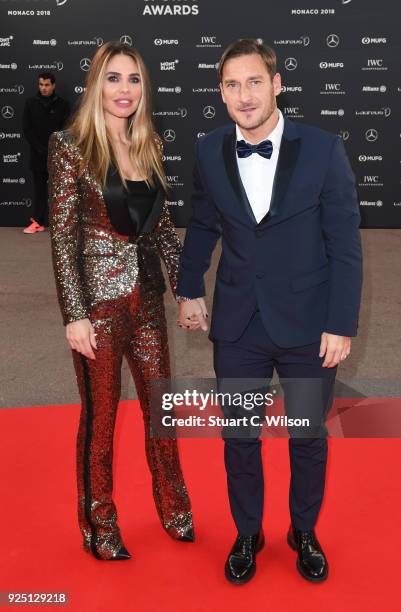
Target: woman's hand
[81,337]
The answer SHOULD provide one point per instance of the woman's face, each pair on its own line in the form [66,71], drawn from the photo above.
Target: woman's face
[122,87]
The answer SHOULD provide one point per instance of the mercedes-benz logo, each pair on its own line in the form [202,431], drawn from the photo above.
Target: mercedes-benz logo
[371,135]
[169,135]
[333,40]
[209,112]
[85,64]
[344,135]
[126,40]
[7,112]
[291,63]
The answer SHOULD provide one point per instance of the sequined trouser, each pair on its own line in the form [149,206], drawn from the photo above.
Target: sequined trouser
[134,326]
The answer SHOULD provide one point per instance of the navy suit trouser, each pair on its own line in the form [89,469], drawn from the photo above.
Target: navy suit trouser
[308,393]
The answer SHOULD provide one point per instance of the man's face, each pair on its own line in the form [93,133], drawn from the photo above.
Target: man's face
[46,87]
[248,90]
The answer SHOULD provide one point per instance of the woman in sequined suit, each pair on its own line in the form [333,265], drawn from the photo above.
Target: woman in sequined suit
[109,227]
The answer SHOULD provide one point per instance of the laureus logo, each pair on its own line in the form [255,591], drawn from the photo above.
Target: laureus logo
[61,2]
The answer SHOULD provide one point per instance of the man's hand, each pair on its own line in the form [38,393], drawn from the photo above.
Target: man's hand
[334,348]
[193,315]
[81,337]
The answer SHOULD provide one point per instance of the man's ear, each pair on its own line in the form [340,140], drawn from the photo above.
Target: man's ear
[222,92]
[277,84]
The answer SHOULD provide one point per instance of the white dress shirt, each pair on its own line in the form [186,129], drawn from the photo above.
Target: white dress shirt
[257,173]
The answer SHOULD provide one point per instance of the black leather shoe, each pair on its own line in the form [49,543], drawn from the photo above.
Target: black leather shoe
[240,566]
[311,562]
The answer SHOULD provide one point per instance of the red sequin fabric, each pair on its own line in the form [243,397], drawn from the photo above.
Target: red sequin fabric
[118,285]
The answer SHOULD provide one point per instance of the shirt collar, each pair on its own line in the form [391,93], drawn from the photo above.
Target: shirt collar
[275,136]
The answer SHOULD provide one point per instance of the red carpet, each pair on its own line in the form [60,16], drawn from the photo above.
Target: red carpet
[41,545]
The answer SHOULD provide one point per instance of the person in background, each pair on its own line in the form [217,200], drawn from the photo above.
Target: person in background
[44,114]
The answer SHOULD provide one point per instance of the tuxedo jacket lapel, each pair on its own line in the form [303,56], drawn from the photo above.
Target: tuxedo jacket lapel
[114,191]
[230,161]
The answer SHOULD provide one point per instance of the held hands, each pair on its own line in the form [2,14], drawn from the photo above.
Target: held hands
[193,314]
[334,349]
[81,337]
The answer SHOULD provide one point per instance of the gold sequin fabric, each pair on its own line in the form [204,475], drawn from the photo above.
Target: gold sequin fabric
[119,286]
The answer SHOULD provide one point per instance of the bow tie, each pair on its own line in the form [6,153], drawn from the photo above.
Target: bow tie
[264,148]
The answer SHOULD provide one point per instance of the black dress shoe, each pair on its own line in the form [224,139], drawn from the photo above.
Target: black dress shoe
[311,562]
[240,566]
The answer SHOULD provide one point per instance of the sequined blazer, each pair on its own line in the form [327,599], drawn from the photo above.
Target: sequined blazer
[92,262]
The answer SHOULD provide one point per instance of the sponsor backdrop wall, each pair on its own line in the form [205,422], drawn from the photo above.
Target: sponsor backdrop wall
[340,62]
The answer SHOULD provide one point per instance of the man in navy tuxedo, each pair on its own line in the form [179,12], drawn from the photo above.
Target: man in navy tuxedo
[282,197]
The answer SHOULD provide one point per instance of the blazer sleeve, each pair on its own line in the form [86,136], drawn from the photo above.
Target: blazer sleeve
[340,224]
[203,231]
[63,226]
[168,245]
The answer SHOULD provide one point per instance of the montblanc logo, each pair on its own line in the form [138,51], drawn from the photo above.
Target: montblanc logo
[11,158]
[96,41]
[291,63]
[333,40]
[177,89]
[165,41]
[180,112]
[371,135]
[208,41]
[366,40]
[12,66]
[378,203]
[52,42]
[327,65]
[291,88]
[375,88]
[375,63]
[292,111]
[370,158]
[303,41]
[54,66]
[5,41]
[209,66]
[174,10]
[332,89]
[329,112]
[85,64]
[382,112]
[17,89]
[171,65]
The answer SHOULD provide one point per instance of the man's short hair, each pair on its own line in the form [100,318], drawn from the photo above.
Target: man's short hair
[47,76]
[248,46]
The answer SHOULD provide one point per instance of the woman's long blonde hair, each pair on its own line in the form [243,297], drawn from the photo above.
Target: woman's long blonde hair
[89,131]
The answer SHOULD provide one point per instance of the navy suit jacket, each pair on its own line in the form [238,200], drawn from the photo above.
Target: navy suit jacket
[301,265]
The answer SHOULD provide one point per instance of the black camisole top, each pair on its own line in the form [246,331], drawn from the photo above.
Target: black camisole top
[129,213]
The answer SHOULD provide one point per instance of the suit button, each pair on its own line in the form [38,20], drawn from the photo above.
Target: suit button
[258,233]
[260,274]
